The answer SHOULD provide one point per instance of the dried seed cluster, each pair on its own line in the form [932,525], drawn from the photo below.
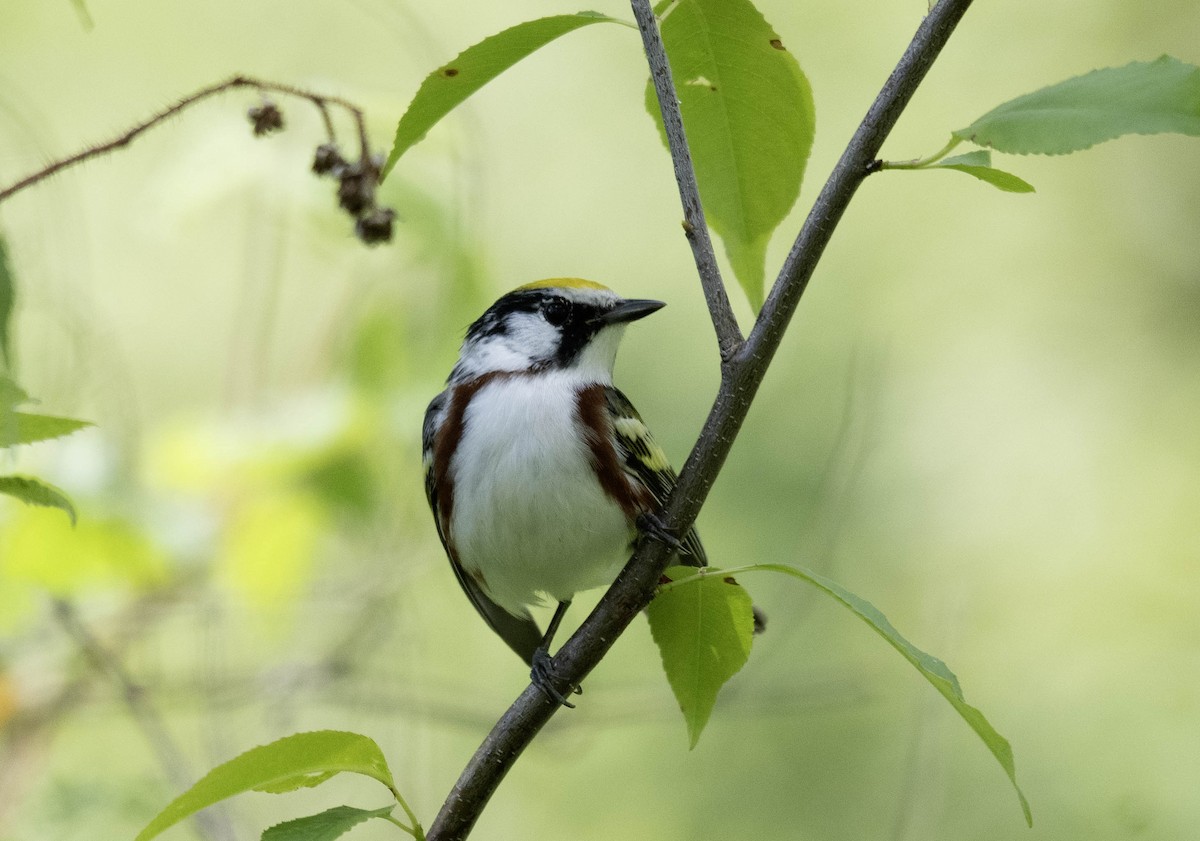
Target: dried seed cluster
[266,118]
[357,180]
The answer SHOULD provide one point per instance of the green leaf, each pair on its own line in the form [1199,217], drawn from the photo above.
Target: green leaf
[8,296]
[320,752]
[979,164]
[447,87]
[930,667]
[703,629]
[1147,97]
[326,826]
[748,112]
[27,428]
[36,492]
[11,394]
[297,782]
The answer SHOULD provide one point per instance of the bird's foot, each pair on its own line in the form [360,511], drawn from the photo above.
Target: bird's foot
[653,528]
[542,672]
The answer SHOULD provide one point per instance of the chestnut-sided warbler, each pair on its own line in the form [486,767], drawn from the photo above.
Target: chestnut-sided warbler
[540,473]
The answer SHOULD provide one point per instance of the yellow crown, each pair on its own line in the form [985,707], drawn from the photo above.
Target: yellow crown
[565,283]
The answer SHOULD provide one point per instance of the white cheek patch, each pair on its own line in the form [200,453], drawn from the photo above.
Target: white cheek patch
[527,338]
[530,334]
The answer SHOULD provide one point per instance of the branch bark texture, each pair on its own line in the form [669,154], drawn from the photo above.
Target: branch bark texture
[744,365]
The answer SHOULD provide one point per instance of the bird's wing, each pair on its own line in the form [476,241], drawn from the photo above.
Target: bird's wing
[434,415]
[519,632]
[646,463]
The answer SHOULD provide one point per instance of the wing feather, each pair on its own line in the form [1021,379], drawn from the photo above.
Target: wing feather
[644,460]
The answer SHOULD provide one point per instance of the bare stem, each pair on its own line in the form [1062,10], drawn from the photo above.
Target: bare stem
[321,102]
[729,335]
[211,824]
[634,588]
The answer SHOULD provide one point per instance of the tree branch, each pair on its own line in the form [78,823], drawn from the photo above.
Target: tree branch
[321,102]
[729,335]
[855,165]
[744,372]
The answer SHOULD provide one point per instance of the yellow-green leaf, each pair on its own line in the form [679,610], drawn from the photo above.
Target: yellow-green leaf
[703,629]
[447,87]
[324,752]
[979,165]
[11,394]
[1144,97]
[748,113]
[930,667]
[295,783]
[28,428]
[326,826]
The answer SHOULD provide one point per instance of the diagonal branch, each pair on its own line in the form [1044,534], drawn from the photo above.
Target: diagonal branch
[729,335]
[857,162]
[744,372]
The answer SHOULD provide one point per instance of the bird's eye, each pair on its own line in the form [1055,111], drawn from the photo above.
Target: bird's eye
[556,311]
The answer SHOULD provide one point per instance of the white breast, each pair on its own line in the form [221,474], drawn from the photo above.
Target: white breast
[529,514]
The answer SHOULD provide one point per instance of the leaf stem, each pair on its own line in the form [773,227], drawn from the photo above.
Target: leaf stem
[705,572]
[922,163]
[415,830]
[670,7]
[403,825]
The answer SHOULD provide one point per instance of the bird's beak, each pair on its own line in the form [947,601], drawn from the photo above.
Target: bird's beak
[631,310]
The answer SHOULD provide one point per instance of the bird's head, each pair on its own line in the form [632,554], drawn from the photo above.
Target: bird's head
[558,324]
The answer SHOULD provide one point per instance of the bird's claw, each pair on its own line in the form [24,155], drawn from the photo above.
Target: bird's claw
[540,673]
[652,527]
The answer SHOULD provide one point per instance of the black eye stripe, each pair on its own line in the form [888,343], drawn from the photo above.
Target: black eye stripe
[576,321]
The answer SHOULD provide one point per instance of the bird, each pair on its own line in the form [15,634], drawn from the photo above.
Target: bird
[540,473]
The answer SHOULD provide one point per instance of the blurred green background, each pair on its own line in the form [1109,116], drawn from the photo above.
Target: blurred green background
[984,420]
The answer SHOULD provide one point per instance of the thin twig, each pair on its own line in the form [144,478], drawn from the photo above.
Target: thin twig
[321,101]
[23,736]
[634,588]
[211,824]
[729,335]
